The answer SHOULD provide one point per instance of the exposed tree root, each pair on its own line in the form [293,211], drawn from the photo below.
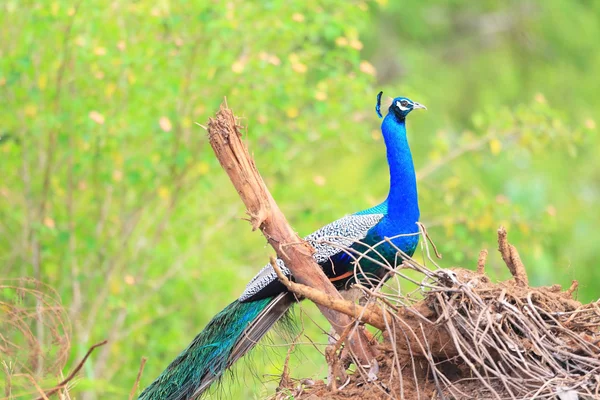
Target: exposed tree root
[470,338]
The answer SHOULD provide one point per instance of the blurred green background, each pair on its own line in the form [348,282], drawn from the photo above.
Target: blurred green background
[110,193]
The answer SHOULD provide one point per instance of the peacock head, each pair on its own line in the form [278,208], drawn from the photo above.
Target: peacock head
[400,107]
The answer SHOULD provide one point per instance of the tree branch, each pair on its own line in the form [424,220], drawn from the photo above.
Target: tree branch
[137,379]
[225,139]
[61,385]
[511,258]
[364,314]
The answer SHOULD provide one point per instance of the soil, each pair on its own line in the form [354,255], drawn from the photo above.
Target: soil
[417,379]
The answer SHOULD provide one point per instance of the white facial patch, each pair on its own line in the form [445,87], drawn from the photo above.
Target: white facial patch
[400,106]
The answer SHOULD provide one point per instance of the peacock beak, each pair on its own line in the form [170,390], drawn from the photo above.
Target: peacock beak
[418,105]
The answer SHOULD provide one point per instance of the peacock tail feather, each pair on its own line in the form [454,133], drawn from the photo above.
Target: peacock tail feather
[227,337]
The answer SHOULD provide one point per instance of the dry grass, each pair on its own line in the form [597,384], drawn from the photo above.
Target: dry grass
[35,335]
[35,341]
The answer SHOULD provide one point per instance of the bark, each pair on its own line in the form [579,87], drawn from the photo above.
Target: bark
[369,315]
[225,139]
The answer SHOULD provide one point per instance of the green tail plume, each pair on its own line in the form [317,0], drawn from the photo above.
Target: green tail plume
[226,338]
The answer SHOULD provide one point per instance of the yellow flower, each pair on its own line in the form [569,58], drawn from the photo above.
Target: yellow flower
[341,41]
[294,58]
[165,124]
[292,112]
[202,168]
[96,117]
[238,67]
[30,110]
[299,68]
[540,98]
[49,222]
[273,59]
[367,68]
[319,180]
[356,44]
[42,82]
[321,96]
[590,123]
[117,175]
[495,146]
[163,192]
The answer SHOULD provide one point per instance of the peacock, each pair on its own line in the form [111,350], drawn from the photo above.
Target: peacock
[339,246]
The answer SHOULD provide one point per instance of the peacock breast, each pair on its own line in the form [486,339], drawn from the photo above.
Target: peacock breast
[382,248]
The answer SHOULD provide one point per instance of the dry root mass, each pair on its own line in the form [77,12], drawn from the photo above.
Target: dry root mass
[470,338]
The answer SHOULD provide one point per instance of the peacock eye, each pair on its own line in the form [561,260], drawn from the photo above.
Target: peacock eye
[404,103]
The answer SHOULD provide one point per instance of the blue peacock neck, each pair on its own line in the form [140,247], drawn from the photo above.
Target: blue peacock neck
[402,201]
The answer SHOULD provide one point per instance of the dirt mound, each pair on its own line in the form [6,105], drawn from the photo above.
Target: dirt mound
[468,337]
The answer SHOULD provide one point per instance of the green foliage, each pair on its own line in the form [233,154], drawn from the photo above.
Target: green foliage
[111,194]
[517,76]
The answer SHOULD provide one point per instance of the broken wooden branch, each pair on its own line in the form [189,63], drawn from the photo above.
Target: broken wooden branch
[481,261]
[364,314]
[225,139]
[511,258]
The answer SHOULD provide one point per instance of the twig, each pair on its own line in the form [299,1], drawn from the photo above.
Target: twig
[284,382]
[363,314]
[481,261]
[430,168]
[572,288]
[426,235]
[35,384]
[511,258]
[335,371]
[137,379]
[73,373]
